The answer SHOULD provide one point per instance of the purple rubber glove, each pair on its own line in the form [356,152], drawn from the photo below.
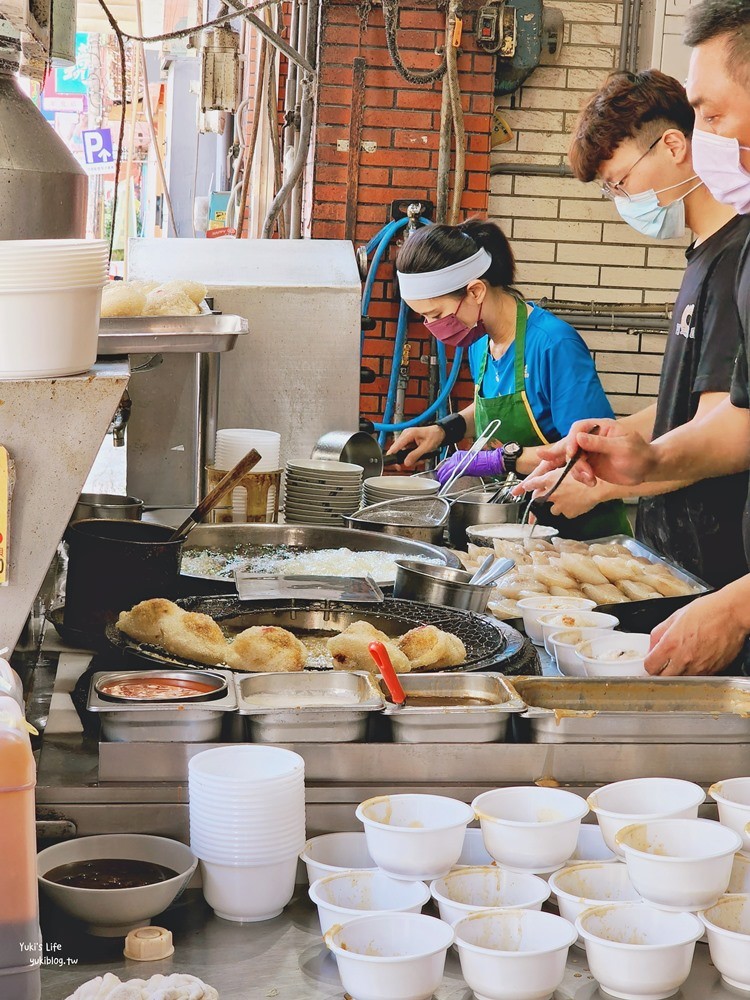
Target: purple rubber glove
[486,464]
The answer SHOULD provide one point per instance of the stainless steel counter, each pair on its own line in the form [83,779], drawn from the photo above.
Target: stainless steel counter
[283,959]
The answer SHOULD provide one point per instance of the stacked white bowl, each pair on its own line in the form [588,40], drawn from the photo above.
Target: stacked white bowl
[379,488]
[321,492]
[247,827]
[50,300]
[232,444]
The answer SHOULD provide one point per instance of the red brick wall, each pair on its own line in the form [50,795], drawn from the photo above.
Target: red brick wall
[403,121]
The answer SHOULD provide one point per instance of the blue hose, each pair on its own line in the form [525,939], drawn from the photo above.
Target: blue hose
[415,421]
[380,243]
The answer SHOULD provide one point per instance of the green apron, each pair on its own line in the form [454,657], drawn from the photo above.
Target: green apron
[518,424]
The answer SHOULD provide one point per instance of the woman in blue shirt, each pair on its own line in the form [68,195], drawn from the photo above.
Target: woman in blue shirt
[531,370]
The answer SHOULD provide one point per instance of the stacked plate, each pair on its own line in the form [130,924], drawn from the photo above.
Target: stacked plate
[50,299]
[321,492]
[380,488]
[232,444]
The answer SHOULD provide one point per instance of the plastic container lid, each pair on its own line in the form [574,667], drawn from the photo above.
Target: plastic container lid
[148,944]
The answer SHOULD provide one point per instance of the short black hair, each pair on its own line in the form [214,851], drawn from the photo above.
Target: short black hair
[714,18]
[435,247]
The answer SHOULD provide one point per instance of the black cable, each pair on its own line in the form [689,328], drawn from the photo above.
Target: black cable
[390,16]
[120,138]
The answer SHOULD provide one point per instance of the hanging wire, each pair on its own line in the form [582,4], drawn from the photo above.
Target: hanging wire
[390,16]
[184,32]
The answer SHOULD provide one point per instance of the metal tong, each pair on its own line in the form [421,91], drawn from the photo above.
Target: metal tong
[484,438]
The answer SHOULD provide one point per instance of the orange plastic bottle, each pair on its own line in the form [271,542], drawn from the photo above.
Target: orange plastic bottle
[20,939]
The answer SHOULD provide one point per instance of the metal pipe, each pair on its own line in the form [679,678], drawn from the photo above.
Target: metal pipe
[258,110]
[606,308]
[207,367]
[275,38]
[290,104]
[635,24]
[306,124]
[622,57]
[532,169]
[295,230]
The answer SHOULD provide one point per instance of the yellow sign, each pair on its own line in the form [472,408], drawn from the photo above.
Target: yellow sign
[6,489]
[501,130]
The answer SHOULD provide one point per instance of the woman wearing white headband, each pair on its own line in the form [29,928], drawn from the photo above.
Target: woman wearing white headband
[531,370]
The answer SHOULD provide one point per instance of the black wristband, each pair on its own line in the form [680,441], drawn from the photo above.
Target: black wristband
[454,428]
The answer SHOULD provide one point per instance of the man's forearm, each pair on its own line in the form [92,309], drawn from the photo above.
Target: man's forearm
[642,422]
[718,445]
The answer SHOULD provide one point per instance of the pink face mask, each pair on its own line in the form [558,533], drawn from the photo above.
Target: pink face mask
[716,160]
[452,331]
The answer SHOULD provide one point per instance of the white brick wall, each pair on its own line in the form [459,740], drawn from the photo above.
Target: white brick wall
[569,241]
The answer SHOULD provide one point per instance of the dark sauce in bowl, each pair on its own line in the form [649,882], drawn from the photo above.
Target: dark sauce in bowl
[109,873]
[417,700]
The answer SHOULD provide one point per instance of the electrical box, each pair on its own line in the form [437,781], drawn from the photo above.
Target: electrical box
[521,24]
[220,69]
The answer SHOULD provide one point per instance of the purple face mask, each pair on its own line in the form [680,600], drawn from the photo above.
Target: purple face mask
[452,331]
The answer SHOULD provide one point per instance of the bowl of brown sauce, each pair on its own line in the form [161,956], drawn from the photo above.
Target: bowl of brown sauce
[115,882]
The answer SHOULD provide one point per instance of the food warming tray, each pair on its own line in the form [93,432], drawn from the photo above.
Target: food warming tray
[340,721]
[454,724]
[488,642]
[622,710]
[188,721]
[211,332]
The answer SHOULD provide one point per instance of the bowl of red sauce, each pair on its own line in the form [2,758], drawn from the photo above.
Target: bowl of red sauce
[161,686]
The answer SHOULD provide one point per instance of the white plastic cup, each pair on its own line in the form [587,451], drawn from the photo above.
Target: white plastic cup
[552,622]
[245,765]
[733,799]
[399,956]
[513,954]
[415,837]
[679,864]
[530,828]
[564,644]
[727,926]
[474,854]
[336,852]
[249,894]
[532,608]
[473,890]
[347,895]
[637,800]
[602,656]
[637,951]
[582,886]
[591,847]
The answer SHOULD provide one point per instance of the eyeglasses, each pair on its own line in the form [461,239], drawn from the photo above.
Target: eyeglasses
[616,190]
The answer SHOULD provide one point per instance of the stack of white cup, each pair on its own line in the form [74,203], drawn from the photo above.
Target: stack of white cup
[232,444]
[247,827]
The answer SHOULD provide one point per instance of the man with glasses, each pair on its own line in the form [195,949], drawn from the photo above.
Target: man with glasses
[709,633]
[634,135]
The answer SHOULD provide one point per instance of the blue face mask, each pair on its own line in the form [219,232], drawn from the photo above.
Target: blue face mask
[644,213]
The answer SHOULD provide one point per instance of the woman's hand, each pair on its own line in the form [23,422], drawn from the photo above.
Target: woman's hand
[422,440]
[702,638]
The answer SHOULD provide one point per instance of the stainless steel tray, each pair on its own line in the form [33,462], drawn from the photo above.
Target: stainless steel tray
[214,333]
[640,549]
[332,723]
[163,721]
[226,537]
[666,710]
[454,724]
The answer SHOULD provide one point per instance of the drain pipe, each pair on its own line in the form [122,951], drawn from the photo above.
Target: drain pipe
[623,58]
[532,169]
[635,24]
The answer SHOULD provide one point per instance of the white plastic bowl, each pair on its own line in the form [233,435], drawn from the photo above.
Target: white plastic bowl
[336,852]
[591,847]
[49,333]
[471,890]
[573,618]
[563,644]
[245,765]
[398,956]
[530,828]
[740,880]
[581,886]
[727,925]
[637,951]
[474,854]
[513,954]
[483,534]
[342,897]
[639,799]
[414,837]
[679,864]
[248,894]
[602,656]
[113,912]
[532,609]
[733,799]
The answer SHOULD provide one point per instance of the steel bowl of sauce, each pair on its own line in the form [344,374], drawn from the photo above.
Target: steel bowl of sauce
[161,686]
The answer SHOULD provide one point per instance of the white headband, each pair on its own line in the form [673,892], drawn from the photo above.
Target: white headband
[430,284]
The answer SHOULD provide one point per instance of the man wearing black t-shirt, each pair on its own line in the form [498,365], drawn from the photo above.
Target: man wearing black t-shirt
[709,633]
[634,136]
